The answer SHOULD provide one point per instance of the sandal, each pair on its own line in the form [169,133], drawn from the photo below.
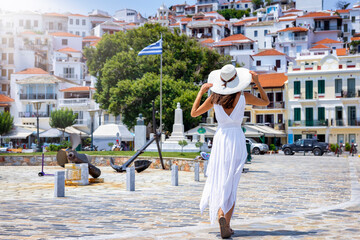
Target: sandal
[225,230]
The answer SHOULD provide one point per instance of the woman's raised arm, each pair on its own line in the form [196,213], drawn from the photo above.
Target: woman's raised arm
[251,99]
[206,106]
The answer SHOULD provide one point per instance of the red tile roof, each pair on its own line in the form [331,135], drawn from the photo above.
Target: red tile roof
[343,10]
[319,46]
[242,22]
[28,33]
[186,20]
[355,39]
[341,51]
[77,15]
[68,49]
[294,29]
[63,34]
[327,41]
[209,40]
[175,24]
[292,10]
[319,15]
[270,52]
[272,80]
[4,98]
[32,71]
[92,37]
[235,37]
[77,89]
[54,15]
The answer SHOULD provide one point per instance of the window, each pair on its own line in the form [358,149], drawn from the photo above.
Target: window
[59,26]
[251,46]
[297,137]
[298,49]
[246,5]
[286,50]
[4,40]
[352,31]
[36,23]
[77,33]
[297,114]
[117,119]
[83,22]
[345,28]
[345,39]
[71,21]
[259,118]
[83,34]
[309,89]
[238,6]
[258,63]
[64,41]
[11,58]
[255,33]
[278,63]
[3,56]
[247,114]
[106,118]
[71,32]
[321,113]
[279,96]
[353,19]
[28,24]
[287,26]
[265,32]
[51,26]
[321,86]
[77,21]
[3,72]
[338,86]
[296,87]
[21,23]
[69,72]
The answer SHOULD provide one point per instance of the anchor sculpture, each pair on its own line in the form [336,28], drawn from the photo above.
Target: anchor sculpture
[71,156]
[141,165]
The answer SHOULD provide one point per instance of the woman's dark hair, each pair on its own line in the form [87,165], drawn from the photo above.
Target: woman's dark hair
[227,101]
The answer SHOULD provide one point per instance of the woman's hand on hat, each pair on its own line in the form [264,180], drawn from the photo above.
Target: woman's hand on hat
[255,77]
[205,87]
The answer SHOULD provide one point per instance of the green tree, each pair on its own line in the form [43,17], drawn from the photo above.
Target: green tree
[257,3]
[6,123]
[342,4]
[121,73]
[62,118]
[233,13]
[182,144]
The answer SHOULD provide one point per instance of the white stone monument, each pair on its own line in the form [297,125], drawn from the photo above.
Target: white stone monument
[178,127]
[140,133]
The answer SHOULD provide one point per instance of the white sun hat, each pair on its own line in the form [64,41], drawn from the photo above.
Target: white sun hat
[229,80]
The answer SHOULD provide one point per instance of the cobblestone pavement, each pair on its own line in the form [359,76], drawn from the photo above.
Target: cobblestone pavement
[281,197]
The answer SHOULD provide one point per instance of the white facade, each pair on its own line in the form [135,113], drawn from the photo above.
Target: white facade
[206,6]
[310,5]
[67,64]
[108,27]
[259,31]
[293,40]
[79,25]
[64,40]
[270,63]
[55,22]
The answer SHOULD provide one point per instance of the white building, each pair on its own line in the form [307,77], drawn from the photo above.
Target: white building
[79,24]
[238,5]
[354,23]
[258,32]
[270,61]
[206,6]
[129,16]
[108,27]
[63,40]
[292,40]
[97,16]
[310,5]
[55,22]
[179,9]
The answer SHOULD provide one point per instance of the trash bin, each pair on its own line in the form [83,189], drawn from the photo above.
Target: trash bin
[248,148]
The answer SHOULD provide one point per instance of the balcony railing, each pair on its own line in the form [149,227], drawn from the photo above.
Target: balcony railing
[329,28]
[272,105]
[75,101]
[33,114]
[308,123]
[354,122]
[69,76]
[340,122]
[199,2]
[35,96]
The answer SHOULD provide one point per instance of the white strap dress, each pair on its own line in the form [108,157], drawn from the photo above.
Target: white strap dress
[227,159]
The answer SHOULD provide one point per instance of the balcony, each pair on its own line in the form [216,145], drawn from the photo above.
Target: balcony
[36,96]
[69,76]
[308,123]
[264,68]
[199,2]
[291,39]
[74,102]
[33,114]
[354,122]
[272,105]
[328,28]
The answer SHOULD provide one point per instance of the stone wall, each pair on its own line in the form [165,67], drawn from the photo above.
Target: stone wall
[18,160]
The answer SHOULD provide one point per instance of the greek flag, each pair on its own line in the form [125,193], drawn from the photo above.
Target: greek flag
[152,49]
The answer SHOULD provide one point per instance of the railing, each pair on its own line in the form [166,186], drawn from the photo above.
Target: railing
[291,39]
[33,114]
[75,101]
[354,122]
[199,2]
[308,123]
[272,105]
[340,122]
[69,76]
[35,96]
[330,28]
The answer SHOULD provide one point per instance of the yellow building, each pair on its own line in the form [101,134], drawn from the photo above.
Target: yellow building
[323,97]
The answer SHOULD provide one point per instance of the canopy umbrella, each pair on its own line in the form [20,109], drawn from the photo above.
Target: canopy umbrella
[53,133]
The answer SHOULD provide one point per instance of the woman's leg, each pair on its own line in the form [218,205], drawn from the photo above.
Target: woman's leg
[229,214]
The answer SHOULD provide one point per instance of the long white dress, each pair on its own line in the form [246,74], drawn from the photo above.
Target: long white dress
[227,159]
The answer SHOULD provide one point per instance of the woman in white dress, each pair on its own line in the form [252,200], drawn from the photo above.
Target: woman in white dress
[228,153]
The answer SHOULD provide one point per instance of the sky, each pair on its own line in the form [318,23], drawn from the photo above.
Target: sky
[145,7]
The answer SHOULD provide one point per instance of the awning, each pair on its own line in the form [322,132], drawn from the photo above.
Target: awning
[209,131]
[52,133]
[18,133]
[265,130]
[71,130]
[113,131]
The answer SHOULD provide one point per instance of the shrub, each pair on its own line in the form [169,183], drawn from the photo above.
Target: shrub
[272,147]
[65,144]
[110,144]
[347,146]
[333,147]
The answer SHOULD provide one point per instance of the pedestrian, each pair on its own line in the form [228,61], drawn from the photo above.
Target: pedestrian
[228,153]
[210,144]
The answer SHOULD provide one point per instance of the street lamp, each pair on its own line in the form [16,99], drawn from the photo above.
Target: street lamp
[37,106]
[92,115]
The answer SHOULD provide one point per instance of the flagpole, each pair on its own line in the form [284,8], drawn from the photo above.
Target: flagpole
[161,97]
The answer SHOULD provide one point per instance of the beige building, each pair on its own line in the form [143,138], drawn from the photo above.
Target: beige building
[323,97]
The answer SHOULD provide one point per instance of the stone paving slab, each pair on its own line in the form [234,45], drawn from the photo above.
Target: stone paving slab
[280,197]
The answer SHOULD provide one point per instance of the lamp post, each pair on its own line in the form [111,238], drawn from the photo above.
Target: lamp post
[37,106]
[92,115]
